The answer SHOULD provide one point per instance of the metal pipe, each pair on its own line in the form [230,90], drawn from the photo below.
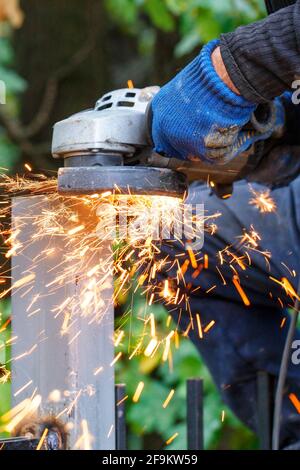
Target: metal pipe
[195,432]
[120,393]
[71,371]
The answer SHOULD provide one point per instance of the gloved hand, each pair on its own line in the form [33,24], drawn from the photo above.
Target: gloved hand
[197,116]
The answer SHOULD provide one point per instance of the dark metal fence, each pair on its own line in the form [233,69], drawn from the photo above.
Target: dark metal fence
[195,403]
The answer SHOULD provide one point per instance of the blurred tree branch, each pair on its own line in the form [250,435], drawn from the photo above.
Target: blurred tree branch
[24,134]
[20,133]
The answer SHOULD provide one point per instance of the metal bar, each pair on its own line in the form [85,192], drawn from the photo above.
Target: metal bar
[19,443]
[265,402]
[120,391]
[195,431]
[74,365]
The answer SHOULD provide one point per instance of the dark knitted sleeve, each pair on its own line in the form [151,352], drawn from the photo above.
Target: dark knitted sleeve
[263,58]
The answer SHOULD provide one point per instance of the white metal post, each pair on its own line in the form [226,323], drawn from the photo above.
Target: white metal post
[76,365]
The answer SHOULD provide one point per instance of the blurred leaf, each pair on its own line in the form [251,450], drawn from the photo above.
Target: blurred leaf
[5,308]
[159,15]
[6,56]
[148,364]
[9,153]
[123,11]
[13,82]
[208,27]
[188,43]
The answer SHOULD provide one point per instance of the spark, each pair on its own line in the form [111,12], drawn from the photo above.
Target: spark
[105,194]
[29,408]
[166,292]
[138,392]
[263,201]
[65,325]
[151,299]
[5,325]
[55,396]
[184,267]
[151,347]
[295,401]
[192,257]
[24,280]
[119,403]
[72,404]
[22,388]
[26,353]
[110,431]
[9,415]
[286,285]
[168,399]
[28,167]
[42,439]
[200,333]
[171,439]
[119,338]
[283,321]
[88,229]
[240,290]
[118,356]
[86,435]
[134,352]
[167,346]
[205,261]
[93,271]
[209,326]
[176,339]
[74,337]
[75,230]
[187,330]
[84,440]
[223,416]
[152,325]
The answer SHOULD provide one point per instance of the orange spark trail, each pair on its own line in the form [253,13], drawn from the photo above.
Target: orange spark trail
[205,261]
[295,401]
[192,257]
[41,441]
[240,290]
[209,326]
[199,325]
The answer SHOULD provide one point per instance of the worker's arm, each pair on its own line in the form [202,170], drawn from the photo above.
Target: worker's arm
[262,59]
[200,116]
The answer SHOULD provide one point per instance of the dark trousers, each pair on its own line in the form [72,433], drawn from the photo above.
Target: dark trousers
[244,339]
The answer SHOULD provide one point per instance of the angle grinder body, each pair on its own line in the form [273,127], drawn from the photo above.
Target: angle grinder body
[109,148]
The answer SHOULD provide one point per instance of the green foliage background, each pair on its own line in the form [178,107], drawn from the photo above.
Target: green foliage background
[149,425]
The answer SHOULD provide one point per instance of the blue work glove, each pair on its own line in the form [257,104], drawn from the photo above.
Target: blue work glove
[196,116]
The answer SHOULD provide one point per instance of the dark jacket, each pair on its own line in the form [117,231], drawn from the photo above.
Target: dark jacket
[263,58]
